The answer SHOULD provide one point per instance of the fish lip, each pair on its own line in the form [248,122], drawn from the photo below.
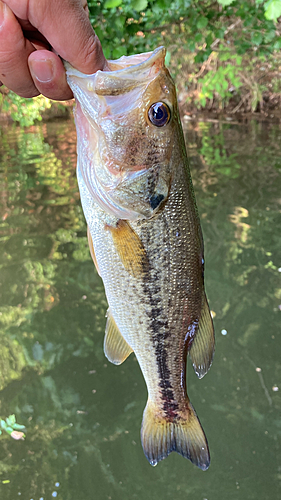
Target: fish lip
[153,57]
[123,75]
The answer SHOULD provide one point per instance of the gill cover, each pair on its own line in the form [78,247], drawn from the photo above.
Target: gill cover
[123,153]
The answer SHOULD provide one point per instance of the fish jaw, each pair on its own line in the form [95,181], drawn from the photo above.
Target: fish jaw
[123,158]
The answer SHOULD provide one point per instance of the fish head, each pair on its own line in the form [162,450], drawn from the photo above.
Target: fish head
[125,119]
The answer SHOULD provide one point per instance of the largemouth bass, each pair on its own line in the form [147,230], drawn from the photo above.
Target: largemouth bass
[145,239]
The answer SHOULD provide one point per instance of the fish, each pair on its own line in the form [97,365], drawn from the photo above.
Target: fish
[146,241]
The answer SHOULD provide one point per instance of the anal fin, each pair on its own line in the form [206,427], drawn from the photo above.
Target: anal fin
[116,348]
[203,346]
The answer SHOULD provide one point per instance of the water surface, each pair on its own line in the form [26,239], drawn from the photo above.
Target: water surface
[82,414]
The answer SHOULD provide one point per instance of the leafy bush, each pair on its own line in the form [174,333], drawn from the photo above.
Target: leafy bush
[233,35]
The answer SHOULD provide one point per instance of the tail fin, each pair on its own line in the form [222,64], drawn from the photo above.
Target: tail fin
[160,436]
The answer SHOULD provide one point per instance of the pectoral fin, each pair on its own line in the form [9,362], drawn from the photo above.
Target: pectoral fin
[92,251]
[203,345]
[130,248]
[115,346]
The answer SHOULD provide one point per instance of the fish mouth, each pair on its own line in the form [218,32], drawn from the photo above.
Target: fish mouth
[120,76]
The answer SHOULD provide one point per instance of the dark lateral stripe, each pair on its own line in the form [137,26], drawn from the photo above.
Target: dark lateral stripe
[160,332]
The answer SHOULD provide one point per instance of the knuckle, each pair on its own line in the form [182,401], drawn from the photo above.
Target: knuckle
[93,55]
[28,93]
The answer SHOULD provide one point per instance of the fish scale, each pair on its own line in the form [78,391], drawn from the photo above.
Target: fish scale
[151,262]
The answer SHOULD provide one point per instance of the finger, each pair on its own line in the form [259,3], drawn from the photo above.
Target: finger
[14,51]
[48,74]
[66,26]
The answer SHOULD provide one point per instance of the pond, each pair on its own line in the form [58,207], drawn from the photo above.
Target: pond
[82,414]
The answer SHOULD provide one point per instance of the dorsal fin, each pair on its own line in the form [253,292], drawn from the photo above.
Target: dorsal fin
[203,345]
[92,251]
[130,248]
[115,346]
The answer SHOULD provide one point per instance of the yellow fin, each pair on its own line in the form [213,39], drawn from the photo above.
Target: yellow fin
[115,346]
[130,248]
[203,346]
[160,436]
[92,251]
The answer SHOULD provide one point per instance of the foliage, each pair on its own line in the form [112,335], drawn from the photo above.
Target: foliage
[222,79]
[213,46]
[24,111]
[214,43]
[10,426]
[141,25]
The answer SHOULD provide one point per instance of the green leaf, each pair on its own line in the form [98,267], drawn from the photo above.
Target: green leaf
[236,82]
[203,101]
[272,10]
[218,87]
[167,58]
[18,427]
[269,36]
[202,22]
[3,424]
[11,420]
[139,5]
[277,44]
[224,84]
[191,45]
[257,38]
[224,56]
[209,40]
[219,33]
[119,52]
[225,2]
[224,170]
[110,4]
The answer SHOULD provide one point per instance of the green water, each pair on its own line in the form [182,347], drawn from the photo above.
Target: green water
[82,414]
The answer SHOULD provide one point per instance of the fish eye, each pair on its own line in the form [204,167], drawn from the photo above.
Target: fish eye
[159,114]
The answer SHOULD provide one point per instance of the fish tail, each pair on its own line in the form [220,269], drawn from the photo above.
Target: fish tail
[161,435]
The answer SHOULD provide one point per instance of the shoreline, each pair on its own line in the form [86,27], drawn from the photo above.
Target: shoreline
[270,111]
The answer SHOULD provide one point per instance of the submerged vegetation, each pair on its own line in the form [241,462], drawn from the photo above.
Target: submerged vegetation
[12,428]
[224,54]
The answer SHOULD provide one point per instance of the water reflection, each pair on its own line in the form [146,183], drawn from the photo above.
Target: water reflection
[82,414]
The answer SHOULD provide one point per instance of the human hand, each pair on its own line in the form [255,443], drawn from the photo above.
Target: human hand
[30,32]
